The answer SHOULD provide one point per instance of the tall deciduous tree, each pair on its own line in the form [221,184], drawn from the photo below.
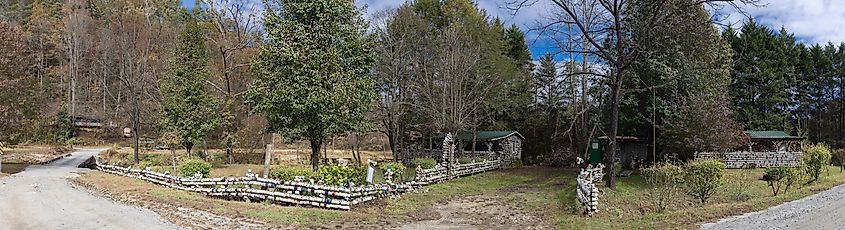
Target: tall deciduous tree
[313,74]
[188,109]
[20,105]
[234,33]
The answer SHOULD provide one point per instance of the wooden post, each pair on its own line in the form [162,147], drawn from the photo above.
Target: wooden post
[268,152]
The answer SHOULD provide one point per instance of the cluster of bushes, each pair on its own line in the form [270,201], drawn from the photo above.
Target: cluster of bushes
[290,173]
[667,178]
[467,160]
[700,179]
[424,162]
[335,174]
[193,166]
[397,168]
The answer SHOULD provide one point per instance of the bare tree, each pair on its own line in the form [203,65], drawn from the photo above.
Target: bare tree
[399,40]
[234,30]
[602,27]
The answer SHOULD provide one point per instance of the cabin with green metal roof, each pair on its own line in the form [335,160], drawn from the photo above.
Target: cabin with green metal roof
[763,149]
[772,141]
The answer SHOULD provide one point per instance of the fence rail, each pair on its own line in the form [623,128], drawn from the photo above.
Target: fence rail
[252,188]
[255,188]
[441,171]
[587,192]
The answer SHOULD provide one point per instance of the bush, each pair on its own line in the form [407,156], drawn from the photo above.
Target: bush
[780,179]
[425,162]
[665,177]
[467,160]
[617,168]
[398,169]
[290,173]
[517,163]
[334,174]
[703,178]
[816,158]
[193,166]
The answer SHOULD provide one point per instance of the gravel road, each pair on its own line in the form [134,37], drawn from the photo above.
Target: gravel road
[42,198]
[823,210]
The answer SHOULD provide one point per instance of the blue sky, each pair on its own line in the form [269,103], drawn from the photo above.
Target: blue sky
[812,21]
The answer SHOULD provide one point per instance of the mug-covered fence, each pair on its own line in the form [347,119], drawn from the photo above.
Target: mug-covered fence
[587,192]
[449,168]
[253,188]
[441,171]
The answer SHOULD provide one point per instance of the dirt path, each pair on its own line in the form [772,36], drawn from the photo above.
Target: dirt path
[477,212]
[823,210]
[42,198]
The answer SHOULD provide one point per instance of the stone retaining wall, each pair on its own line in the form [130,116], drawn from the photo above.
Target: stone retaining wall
[745,159]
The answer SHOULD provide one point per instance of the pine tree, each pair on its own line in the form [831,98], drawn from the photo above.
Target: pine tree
[759,78]
[188,109]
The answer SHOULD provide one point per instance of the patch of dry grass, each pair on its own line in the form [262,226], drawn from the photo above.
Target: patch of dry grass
[34,154]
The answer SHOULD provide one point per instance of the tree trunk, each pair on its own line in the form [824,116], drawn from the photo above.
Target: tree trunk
[135,122]
[173,158]
[188,147]
[614,125]
[474,139]
[316,143]
[268,153]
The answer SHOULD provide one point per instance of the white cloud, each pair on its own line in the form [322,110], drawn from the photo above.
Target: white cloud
[812,21]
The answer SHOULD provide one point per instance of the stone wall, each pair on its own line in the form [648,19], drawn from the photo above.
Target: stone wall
[745,159]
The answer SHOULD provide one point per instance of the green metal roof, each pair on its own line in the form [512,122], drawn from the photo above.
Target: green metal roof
[771,134]
[486,135]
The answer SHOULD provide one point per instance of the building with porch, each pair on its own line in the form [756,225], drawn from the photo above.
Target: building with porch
[502,145]
[763,149]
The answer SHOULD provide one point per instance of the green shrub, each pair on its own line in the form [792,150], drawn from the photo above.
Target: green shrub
[816,158]
[467,160]
[780,179]
[425,162]
[290,173]
[63,127]
[740,189]
[217,160]
[703,178]
[334,174]
[516,163]
[665,179]
[397,168]
[617,168]
[193,166]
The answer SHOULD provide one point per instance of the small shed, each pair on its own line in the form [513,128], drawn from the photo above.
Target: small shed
[629,150]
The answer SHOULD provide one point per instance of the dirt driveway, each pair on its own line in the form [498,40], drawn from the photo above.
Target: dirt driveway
[823,210]
[42,198]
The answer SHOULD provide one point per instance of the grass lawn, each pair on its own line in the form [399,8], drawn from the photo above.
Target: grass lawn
[547,193]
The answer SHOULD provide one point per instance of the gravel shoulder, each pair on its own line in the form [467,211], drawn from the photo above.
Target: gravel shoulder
[42,198]
[823,210]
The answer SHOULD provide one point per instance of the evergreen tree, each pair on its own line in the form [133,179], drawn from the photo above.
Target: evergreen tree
[759,78]
[188,109]
[313,73]
[678,83]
